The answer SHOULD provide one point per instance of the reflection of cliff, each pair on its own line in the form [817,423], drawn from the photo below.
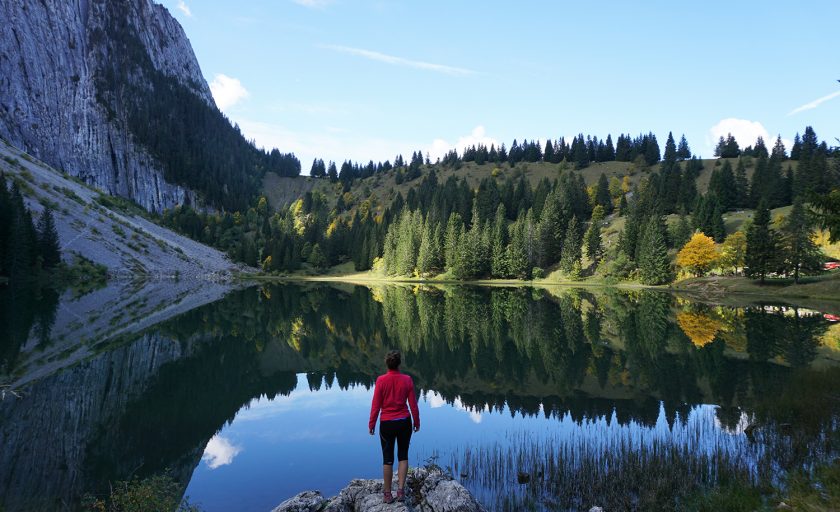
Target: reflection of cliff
[148,406]
[45,434]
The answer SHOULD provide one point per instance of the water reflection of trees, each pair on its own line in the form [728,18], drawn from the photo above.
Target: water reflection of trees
[26,311]
[529,349]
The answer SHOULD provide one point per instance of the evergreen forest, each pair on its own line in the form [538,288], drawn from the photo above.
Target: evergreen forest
[508,228]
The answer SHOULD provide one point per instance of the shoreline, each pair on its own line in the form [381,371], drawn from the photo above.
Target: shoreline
[713,287]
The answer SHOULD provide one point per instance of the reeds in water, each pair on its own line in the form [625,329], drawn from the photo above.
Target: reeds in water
[574,466]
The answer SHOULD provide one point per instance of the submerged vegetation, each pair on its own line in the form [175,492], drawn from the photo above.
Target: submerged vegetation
[157,493]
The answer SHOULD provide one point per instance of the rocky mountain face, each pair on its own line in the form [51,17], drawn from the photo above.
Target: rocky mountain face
[57,103]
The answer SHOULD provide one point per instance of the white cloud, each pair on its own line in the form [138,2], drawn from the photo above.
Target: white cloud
[227,91]
[313,4]
[745,132]
[440,147]
[436,401]
[219,452]
[814,104]
[399,61]
[184,8]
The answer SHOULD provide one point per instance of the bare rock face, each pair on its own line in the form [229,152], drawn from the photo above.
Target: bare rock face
[427,490]
[52,53]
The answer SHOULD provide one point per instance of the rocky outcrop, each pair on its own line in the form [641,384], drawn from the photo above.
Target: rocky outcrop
[52,53]
[428,490]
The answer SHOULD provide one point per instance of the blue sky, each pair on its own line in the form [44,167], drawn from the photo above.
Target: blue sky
[368,79]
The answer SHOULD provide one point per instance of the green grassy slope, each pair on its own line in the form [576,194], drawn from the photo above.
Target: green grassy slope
[282,191]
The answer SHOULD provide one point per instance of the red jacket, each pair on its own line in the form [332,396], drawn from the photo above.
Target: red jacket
[390,394]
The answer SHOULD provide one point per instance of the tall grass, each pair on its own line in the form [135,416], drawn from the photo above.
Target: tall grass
[575,466]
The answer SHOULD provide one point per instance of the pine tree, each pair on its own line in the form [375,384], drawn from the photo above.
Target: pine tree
[22,249]
[317,258]
[332,172]
[426,256]
[550,231]
[730,147]
[801,254]
[682,231]
[609,150]
[723,186]
[797,147]
[718,227]
[572,245]
[652,154]
[454,227]
[761,245]
[517,253]
[407,242]
[670,157]
[498,255]
[389,250]
[623,150]
[48,245]
[683,151]
[548,154]
[592,238]
[720,147]
[580,152]
[654,264]
[760,148]
[742,186]
[602,194]
[759,184]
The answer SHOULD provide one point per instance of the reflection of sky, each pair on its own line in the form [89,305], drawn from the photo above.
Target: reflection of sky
[274,449]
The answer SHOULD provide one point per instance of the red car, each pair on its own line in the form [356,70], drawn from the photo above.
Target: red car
[831,318]
[831,265]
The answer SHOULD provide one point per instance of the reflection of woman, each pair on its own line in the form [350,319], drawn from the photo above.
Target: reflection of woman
[390,395]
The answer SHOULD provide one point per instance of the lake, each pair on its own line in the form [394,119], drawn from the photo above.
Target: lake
[541,399]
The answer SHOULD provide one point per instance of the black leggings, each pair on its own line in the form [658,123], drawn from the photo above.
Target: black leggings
[389,431]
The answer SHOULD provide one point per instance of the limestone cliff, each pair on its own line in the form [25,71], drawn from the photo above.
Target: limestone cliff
[55,103]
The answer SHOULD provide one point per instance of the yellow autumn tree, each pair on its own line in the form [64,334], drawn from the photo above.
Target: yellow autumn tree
[698,255]
[699,328]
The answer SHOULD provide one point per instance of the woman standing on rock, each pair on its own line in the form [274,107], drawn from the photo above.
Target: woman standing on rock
[390,394]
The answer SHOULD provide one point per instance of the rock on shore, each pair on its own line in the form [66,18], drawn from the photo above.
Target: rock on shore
[427,490]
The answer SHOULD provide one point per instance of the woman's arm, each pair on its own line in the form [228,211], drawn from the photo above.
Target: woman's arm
[412,404]
[375,405]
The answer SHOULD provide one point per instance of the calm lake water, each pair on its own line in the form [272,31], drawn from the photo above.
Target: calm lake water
[532,398]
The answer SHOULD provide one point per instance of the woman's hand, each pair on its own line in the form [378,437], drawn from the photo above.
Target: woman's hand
[417,428]
[371,432]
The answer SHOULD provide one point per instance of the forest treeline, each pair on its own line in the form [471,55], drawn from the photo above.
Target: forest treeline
[507,228]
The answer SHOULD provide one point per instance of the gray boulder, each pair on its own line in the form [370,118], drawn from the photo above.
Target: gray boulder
[427,490]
